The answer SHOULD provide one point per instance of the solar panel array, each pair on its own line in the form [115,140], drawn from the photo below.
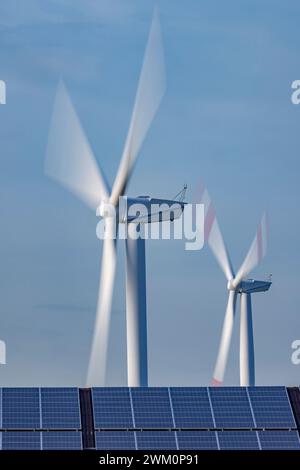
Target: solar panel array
[183,418]
[194,418]
[40,418]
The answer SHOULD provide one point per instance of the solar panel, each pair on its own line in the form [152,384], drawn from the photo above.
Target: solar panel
[191,407]
[20,408]
[18,440]
[238,440]
[281,440]
[197,440]
[152,408]
[271,407]
[60,408]
[115,440]
[112,407]
[231,407]
[156,440]
[61,440]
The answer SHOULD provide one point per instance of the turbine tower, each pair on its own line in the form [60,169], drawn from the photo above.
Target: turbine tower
[237,285]
[70,161]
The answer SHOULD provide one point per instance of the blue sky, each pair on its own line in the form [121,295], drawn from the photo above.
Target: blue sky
[226,118]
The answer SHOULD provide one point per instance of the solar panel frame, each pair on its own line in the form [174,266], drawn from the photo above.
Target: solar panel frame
[115,440]
[156,440]
[152,408]
[60,408]
[112,408]
[271,407]
[197,440]
[231,407]
[238,440]
[61,440]
[20,408]
[191,407]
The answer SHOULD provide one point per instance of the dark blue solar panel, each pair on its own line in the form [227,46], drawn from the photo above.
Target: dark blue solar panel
[191,407]
[231,407]
[280,440]
[60,408]
[20,408]
[238,440]
[61,440]
[18,440]
[152,408]
[197,440]
[115,440]
[156,440]
[271,407]
[112,408]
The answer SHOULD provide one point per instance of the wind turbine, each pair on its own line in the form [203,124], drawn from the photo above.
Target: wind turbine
[237,284]
[70,161]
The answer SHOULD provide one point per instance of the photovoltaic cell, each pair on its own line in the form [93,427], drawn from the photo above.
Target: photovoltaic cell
[191,407]
[238,440]
[60,440]
[20,408]
[197,440]
[152,408]
[156,440]
[112,407]
[281,440]
[19,440]
[60,408]
[231,407]
[271,407]
[115,440]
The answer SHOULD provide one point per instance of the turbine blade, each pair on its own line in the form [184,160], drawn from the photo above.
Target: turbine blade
[226,335]
[256,252]
[150,91]
[213,235]
[98,358]
[69,157]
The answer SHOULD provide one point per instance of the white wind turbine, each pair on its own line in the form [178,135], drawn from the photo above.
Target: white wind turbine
[237,284]
[70,160]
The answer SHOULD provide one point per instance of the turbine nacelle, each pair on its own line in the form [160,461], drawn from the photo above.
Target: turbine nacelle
[145,209]
[249,286]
